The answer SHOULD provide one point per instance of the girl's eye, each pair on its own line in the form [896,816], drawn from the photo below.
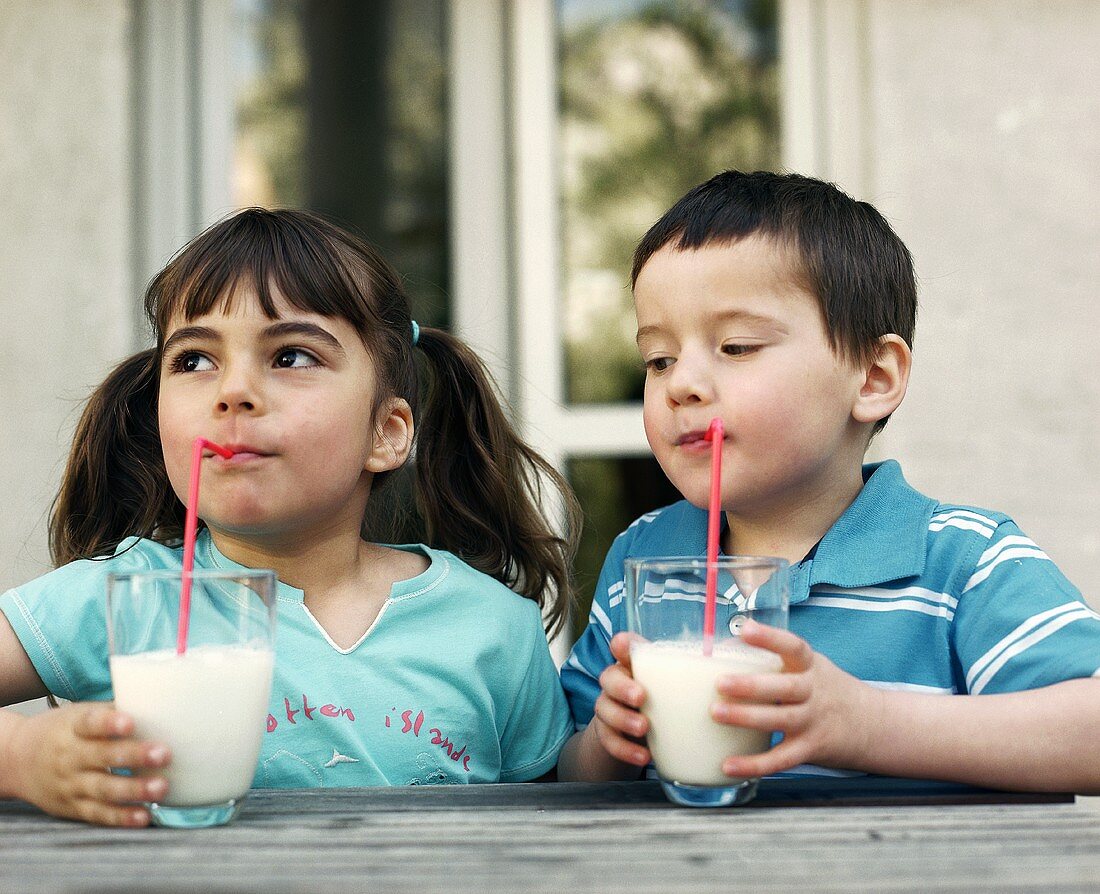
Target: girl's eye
[191,361]
[292,358]
[659,364]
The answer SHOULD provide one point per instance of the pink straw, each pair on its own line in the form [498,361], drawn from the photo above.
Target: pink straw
[189,529]
[716,433]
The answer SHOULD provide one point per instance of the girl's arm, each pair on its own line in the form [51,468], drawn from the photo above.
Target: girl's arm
[59,760]
[1038,740]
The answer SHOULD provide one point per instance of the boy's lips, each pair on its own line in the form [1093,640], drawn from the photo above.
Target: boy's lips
[694,441]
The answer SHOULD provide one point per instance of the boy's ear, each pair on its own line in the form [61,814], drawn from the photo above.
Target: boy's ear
[393,436]
[885,378]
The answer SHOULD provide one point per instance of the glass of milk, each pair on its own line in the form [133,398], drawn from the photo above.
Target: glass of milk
[665,599]
[208,705]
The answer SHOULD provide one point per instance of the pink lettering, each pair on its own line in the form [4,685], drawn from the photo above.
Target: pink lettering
[331,711]
[419,723]
[458,754]
[289,713]
[406,717]
[271,723]
[387,721]
[437,737]
[306,707]
[347,712]
[466,763]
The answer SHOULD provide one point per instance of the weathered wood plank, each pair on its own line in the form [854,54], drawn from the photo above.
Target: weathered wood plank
[560,838]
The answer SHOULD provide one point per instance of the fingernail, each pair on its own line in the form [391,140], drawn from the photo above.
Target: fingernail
[158,754]
[156,788]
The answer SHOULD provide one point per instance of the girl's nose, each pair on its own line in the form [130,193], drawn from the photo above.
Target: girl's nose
[237,393]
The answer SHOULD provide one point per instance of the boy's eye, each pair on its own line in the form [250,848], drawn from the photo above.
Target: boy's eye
[738,350]
[291,358]
[659,364]
[192,361]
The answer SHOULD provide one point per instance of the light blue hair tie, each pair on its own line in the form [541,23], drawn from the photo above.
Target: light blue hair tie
[416,332]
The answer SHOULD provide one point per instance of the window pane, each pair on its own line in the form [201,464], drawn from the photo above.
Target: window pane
[655,97]
[340,109]
[613,491]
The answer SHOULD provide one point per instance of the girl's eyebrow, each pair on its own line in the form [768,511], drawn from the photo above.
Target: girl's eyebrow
[190,333]
[275,330]
[308,330]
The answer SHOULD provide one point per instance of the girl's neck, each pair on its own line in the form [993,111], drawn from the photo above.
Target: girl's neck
[315,561]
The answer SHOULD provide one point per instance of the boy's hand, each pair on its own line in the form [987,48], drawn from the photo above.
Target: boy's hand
[59,761]
[618,723]
[825,714]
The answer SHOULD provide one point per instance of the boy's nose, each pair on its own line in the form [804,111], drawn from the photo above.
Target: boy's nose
[688,383]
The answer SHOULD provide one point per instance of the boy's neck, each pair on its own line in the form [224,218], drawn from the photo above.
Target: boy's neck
[789,530]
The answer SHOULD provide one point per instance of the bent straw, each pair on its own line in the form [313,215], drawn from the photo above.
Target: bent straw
[190,526]
[716,433]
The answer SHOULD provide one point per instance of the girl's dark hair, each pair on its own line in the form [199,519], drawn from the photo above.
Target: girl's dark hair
[848,256]
[479,489]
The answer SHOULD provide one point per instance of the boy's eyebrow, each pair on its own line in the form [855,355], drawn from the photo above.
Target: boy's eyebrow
[275,330]
[741,316]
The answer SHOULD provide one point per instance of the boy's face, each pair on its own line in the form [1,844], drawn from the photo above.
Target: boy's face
[726,330]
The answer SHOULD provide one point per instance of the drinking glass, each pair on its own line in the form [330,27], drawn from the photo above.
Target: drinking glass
[665,599]
[209,704]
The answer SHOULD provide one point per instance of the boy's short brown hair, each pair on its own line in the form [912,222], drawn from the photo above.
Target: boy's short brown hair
[848,255]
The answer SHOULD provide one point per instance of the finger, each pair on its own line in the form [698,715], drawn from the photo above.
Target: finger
[620,646]
[128,816]
[768,718]
[795,651]
[129,753]
[788,753]
[782,688]
[621,718]
[617,683]
[620,747]
[111,788]
[101,721]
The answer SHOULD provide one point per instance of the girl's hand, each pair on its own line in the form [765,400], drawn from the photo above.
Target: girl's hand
[59,761]
[825,714]
[618,723]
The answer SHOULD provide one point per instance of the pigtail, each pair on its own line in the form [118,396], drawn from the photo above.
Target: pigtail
[480,487]
[115,485]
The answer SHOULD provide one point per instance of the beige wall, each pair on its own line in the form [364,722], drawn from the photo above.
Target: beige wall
[975,128]
[65,292]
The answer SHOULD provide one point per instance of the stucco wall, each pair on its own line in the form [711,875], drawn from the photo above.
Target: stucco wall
[983,143]
[65,295]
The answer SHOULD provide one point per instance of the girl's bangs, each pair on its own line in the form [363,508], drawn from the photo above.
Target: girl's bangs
[262,253]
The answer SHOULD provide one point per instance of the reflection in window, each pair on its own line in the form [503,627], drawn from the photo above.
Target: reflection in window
[655,98]
[340,109]
[613,492]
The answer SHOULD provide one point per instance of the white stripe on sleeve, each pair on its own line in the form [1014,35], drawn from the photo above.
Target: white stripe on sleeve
[1026,643]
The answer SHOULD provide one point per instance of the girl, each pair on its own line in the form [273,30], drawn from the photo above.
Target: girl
[290,341]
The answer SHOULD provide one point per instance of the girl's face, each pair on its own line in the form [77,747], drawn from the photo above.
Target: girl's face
[293,398]
[726,331]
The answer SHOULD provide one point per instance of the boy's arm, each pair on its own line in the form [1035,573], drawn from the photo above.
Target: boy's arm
[1040,739]
[608,748]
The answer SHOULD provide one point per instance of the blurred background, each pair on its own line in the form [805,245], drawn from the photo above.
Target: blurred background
[507,154]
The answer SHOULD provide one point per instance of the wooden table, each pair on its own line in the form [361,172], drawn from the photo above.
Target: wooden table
[576,837]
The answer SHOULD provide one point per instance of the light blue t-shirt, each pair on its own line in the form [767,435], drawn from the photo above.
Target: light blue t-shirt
[903,592]
[452,683]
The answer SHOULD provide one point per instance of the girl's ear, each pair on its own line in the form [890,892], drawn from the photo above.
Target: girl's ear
[885,379]
[393,436]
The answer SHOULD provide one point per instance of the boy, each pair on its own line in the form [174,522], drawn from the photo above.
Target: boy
[786,308]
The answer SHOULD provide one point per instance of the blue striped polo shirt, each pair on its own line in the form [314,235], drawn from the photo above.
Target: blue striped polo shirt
[902,592]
